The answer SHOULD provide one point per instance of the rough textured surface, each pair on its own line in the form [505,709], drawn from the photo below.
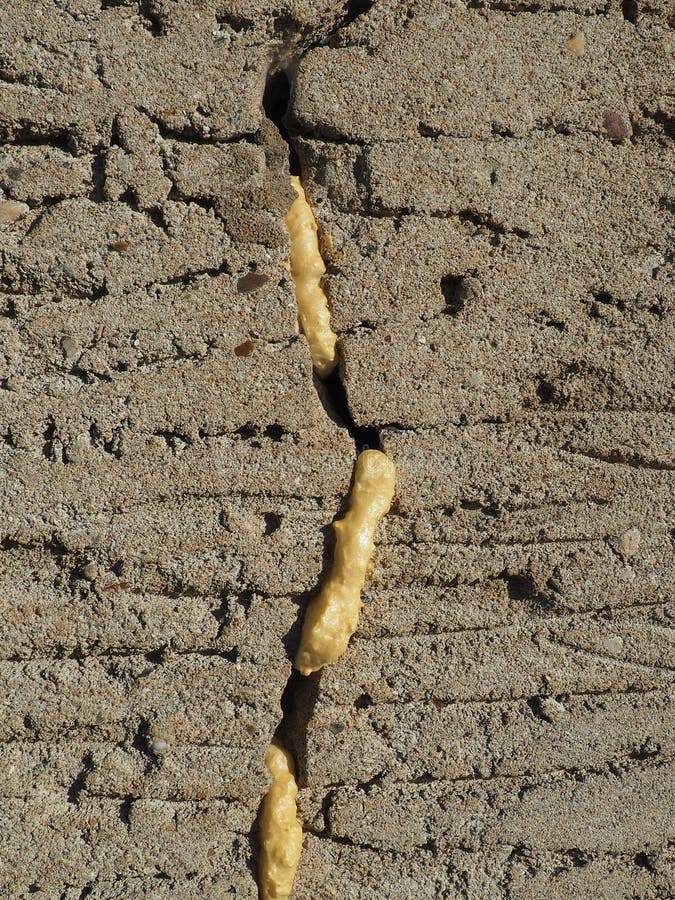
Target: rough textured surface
[492,181]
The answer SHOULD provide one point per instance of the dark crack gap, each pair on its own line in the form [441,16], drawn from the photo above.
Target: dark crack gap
[356,9]
[333,396]
[276,100]
[297,705]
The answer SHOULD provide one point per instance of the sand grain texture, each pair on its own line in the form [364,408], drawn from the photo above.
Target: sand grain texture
[495,181]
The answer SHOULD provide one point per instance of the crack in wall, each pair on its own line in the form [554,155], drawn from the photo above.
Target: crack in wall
[331,390]
[301,691]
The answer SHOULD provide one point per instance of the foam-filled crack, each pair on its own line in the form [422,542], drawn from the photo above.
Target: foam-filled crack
[332,616]
[307,270]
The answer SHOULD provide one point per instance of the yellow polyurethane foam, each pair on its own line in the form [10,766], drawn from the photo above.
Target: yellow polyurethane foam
[307,269]
[331,618]
[280,831]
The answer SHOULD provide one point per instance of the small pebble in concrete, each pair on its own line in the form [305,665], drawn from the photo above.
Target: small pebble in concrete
[613,644]
[244,349]
[77,450]
[160,738]
[576,44]
[552,709]
[159,747]
[11,210]
[629,541]
[616,126]
[90,571]
[69,347]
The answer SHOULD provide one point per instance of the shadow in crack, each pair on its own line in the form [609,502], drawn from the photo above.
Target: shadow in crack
[333,398]
[297,703]
[276,98]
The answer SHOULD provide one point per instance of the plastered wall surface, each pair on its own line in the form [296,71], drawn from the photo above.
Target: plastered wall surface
[492,185]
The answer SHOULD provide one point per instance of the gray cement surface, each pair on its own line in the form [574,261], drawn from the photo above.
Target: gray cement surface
[493,185]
